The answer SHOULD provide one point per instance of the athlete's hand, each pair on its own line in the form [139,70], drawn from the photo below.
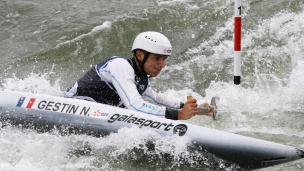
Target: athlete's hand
[189,110]
[210,113]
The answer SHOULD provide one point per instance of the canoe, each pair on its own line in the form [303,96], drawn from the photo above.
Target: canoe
[45,112]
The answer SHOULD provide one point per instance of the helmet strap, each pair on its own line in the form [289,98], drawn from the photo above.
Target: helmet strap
[142,63]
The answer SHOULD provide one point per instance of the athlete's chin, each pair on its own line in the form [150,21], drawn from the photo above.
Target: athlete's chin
[154,74]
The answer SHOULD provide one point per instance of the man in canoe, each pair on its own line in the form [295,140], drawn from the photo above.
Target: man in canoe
[124,82]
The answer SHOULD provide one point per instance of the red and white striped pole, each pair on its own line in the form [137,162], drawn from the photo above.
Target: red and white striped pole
[237,41]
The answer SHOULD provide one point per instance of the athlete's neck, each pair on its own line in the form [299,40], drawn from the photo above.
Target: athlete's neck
[137,69]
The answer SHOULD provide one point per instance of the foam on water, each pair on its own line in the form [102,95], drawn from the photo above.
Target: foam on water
[105,25]
[22,149]
[271,92]
[34,83]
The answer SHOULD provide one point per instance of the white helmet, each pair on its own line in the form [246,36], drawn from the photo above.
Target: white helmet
[153,42]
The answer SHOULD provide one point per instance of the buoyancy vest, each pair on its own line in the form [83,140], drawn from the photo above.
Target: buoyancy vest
[104,92]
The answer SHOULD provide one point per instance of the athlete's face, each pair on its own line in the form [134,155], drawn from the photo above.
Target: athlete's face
[154,64]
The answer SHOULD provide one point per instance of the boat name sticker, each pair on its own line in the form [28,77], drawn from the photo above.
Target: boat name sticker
[34,103]
[181,129]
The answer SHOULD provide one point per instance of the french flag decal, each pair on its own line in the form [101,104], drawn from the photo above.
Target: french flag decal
[20,102]
[23,102]
[30,103]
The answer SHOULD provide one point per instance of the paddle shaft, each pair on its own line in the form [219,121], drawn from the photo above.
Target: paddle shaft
[203,109]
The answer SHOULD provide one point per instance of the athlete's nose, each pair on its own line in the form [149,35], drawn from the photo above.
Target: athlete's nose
[161,62]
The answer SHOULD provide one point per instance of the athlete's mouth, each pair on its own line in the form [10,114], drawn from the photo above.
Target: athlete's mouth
[157,69]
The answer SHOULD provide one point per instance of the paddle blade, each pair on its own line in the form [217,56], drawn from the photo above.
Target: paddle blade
[214,102]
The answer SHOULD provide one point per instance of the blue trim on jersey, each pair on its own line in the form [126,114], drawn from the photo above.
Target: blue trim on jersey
[172,107]
[104,63]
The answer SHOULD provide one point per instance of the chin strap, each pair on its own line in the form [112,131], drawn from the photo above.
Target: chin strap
[142,63]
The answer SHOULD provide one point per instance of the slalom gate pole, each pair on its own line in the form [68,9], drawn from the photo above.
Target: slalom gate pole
[237,41]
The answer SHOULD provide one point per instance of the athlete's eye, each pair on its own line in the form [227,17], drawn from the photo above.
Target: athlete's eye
[158,57]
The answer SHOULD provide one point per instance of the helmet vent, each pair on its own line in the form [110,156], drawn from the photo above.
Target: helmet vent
[149,38]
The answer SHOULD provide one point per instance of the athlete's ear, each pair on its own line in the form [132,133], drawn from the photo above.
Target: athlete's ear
[140,55]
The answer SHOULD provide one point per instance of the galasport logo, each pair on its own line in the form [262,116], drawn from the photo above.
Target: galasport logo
[181,129]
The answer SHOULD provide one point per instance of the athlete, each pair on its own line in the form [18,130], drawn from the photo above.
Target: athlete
[124,82]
